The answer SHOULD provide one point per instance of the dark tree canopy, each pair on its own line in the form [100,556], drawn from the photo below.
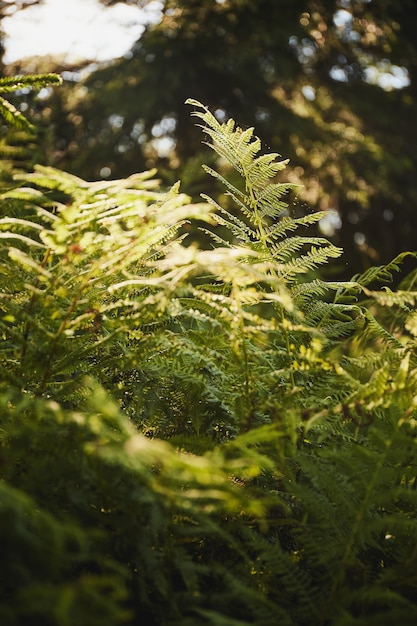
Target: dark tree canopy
[330,84]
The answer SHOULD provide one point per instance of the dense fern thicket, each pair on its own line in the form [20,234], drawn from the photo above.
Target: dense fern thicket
[198,436]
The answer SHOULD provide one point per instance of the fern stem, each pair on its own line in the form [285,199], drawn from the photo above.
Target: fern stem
[258,219]
[264,241]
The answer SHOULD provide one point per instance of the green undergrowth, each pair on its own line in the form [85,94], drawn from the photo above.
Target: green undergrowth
[189,435]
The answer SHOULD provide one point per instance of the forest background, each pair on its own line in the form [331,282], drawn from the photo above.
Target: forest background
[329,84]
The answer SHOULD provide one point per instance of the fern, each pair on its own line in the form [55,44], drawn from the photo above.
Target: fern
[140,538]
[285,489]
[64,260]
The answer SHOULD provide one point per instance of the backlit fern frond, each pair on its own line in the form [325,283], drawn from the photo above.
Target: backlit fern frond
[72,242]
[260,198]
[263,223]
[10,84]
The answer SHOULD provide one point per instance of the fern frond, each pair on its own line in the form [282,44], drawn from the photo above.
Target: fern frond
[269,201]
[260,170]
[260,203]
[317,288]
[383,273]
[310,261]
[388,298]
[235,225]
[235,193]
[32,81]
[288,224]
[13,83]
[14,117]
[373,327]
